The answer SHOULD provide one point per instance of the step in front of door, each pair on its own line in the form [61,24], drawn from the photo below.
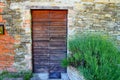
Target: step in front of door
[45,76]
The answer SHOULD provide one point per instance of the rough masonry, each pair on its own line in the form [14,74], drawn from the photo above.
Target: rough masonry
[83,15]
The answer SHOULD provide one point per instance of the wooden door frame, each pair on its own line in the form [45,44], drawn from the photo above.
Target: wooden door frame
[32,35]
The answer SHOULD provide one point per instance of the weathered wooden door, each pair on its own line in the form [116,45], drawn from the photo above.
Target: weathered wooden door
[49,40]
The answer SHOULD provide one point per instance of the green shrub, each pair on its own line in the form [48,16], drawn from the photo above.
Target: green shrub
[95,55]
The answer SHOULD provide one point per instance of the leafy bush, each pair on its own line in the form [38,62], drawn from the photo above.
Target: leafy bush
[95,55]
[26,75]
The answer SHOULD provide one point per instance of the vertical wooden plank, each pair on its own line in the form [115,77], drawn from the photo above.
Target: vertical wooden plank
[58,35]
[40,40]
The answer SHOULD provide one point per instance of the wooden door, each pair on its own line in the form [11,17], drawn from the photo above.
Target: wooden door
[49,40]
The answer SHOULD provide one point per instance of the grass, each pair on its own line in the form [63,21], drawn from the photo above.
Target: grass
[25,75]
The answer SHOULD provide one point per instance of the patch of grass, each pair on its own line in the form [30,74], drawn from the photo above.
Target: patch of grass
[26,75]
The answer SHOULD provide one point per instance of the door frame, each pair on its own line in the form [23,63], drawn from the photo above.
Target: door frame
[32,35]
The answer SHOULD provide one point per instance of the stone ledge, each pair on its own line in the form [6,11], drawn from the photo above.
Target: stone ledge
[44,76]
[73,74]
[49,7]
[13,79]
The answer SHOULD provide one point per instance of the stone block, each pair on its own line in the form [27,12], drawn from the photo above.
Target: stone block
[73,74]
[117,1]
[87,0]
[79,6]
[102,1]
[118,37]
[99,7]
[113,1]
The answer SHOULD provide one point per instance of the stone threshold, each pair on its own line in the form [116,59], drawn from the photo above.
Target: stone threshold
[44,76]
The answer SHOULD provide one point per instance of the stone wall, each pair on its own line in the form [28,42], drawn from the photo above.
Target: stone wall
[83,15]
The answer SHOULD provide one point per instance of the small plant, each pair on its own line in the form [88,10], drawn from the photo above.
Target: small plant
[27,75]
[94,55]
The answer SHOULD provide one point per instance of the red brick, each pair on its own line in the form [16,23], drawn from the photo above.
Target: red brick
[0,18]
[3,58]
[1,10]
[2,4]
[28,21]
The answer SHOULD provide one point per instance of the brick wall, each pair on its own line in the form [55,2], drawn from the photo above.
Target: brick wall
[6,46]
[83,15]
